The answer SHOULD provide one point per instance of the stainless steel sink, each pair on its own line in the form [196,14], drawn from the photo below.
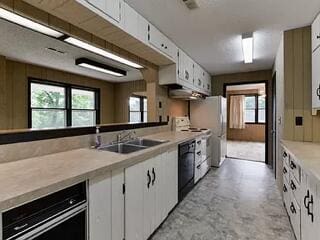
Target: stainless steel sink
[123,148]
[145,142]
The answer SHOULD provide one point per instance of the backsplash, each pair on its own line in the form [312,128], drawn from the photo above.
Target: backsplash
[24,150]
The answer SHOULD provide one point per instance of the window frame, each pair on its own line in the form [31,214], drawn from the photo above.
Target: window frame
[256,112]
[141,100]
[68,99]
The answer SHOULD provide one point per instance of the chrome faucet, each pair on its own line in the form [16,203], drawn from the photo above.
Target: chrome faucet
[129,136]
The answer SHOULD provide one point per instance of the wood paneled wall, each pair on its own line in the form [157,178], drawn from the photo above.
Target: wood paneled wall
[122,93]
[15,93]
[297,87]
[252,132]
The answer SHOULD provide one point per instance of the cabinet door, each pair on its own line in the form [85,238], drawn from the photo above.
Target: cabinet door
[186,68]
[100,207]
[131,21]
[316,33]
[135,181]
[117,200]
[113,9]
[316,79]
[172,179]
[309,211]
[148,199]
[109,7]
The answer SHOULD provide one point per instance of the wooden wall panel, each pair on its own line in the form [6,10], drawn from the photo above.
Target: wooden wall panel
[122,93]
[297,87]
[16,95]
[3,94]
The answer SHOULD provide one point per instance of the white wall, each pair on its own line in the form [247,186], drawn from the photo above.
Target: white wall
[279,70]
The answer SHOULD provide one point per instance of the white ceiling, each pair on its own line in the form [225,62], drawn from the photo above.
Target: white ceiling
[18,43]
[211,34]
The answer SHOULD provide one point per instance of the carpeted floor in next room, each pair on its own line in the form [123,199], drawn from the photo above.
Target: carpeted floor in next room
[252,151]
[239,201]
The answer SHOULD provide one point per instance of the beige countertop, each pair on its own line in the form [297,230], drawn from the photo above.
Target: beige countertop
[307,154]
[25,180]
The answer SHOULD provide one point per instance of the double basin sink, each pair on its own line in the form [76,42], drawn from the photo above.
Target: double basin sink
[131,146]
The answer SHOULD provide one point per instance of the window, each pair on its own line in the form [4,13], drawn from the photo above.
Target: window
[54,105]
[138,109]
[255,109]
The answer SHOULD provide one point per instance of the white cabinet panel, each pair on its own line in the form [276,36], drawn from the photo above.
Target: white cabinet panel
[316,79]
[185,68]
[172,179]
[143,29]
[131,21]
[316,33]
[161,42]
[110,7]
[117,204]
[294,214]
[135,181]
[100,208]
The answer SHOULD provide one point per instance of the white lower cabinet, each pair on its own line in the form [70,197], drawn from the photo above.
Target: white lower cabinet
[100,208]
[106,206]
[151,193]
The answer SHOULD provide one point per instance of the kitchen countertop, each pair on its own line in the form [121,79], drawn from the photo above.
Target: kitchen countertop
[25,180]
[307,155]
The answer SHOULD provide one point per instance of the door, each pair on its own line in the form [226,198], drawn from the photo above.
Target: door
[135,181]
[117,203]
[316,79]
[100,207]
[185,68]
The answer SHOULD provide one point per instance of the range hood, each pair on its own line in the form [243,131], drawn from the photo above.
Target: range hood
[185,94]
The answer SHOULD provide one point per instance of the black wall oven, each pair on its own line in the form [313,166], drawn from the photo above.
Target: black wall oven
[186,168]
[59,216]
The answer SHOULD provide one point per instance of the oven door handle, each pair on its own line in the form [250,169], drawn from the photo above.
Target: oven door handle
[41,228]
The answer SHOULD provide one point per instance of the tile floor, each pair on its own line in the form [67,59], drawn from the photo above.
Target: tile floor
[238,201]
[254,151]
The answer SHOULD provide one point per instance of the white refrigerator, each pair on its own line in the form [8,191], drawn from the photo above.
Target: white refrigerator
[211,113]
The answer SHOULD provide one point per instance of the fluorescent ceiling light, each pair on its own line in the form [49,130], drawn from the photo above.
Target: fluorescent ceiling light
[25,22]
[247,47]
[99,51]
[87,63]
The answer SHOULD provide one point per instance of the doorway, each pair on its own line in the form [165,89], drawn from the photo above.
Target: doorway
[247,121]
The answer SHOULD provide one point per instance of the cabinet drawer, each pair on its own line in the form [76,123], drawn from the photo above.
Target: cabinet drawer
[295,169]
[198,144]
[295,189]
[285,173]
[286,196]
[198,157]
[294,213]
[285,157]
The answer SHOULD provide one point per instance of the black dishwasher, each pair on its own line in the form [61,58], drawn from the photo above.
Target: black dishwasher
[61,215]
[186,168]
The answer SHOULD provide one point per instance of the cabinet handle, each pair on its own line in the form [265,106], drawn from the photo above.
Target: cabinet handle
[285,170]
[292,165]
[293,186]
[318,91]
[199,153]
[305,199]
[165,47]
[285,188]
[154,176]
[318,37]
[162,45]
[293,209]
[285,154]
[310,213]
[186,75]
[149,179]
[199,142]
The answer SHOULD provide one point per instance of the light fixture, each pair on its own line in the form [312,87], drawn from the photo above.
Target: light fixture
[25,22]
[247,47]
[100,67]
[99,51]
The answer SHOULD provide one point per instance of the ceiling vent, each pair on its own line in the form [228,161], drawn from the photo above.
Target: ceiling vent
[191,4]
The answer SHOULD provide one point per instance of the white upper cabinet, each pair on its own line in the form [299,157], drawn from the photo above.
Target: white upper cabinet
[130,21]
[110,7]
[161,42]
[185,69]
[316,33]
[316,79]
